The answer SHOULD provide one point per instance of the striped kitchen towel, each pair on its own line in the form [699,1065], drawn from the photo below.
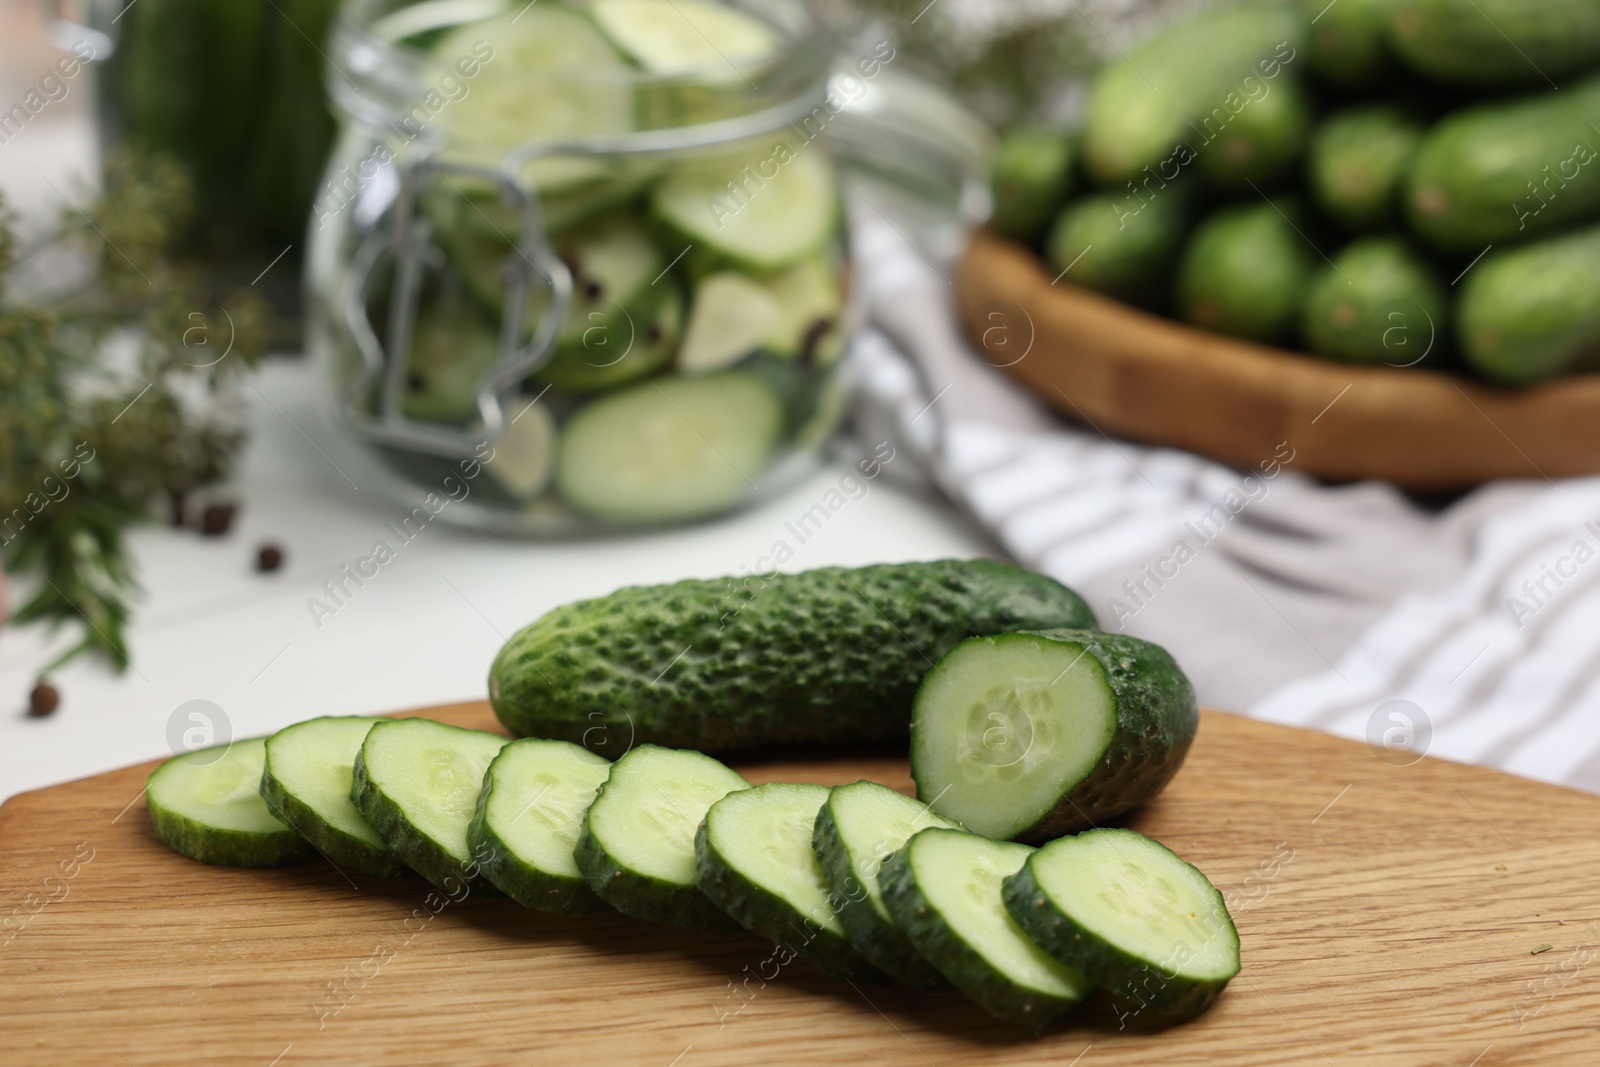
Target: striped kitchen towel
[1471,632]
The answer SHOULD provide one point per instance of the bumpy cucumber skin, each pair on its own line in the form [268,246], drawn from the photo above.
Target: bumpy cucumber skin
[1245,273]
[525,884]
[1496,43]
[1133,985]
[968,971]
[1358,163]
[338,846]
[827,655]
[1362,306]
[1507,171]
[1157,718]
[413,847]
[1032,175]
[230,849]
[882,944]
[1529,313]
[767,915]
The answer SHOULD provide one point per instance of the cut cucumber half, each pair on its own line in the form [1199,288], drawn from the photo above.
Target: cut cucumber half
[306,783]
[525,456]
[764,210]
[731,317]
[1033,735]
[553,77]
[637,848]
[686,36]
[859,827]
[207,805]
[944,889]
[1131,915]
[756,862]
[529,816]
[670,448]
[417,782]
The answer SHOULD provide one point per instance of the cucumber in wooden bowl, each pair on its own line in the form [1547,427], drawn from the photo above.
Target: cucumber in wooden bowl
[207,805]
[306,782]
[827,655]
[858,828]
[417,782]
[1033,735]
[754,857]
[944,890]
[637,849]
[1133,917]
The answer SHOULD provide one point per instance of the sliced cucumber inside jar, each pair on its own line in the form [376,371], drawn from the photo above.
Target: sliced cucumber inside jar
[685,36]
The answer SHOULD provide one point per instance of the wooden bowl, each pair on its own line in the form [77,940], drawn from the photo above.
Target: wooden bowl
[1139,376]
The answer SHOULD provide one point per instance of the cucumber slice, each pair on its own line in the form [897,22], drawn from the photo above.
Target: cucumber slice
[732,316]
[547,81]
[1032,735]
[944,889]
[306,783]
[685,36]
[417,782]
[859,827]
[525,456]
[756,862]
[529,816]
[637,849]
[1131,915]
[451,347]
[761,211]
[810,324]
[207,805]
[672,448]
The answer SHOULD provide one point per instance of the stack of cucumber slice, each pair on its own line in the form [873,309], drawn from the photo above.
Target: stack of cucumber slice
[709,287]
[1015,735]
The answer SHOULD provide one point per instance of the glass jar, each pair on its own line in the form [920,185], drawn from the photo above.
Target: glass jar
[590,256]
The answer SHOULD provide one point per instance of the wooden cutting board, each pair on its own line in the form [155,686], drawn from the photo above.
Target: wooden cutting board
[1430,914]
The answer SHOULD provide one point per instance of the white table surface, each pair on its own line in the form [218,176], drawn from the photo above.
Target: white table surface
[423,631]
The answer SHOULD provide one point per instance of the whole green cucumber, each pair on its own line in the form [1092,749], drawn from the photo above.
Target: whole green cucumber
[1245,272]
[1508,171]
[1531,313]
[1120,245]
[1497,43]
[1349,44]
[1358,163]
[834,654]
[1377,302]
[1186,84]
[1031,176]
[1261,142]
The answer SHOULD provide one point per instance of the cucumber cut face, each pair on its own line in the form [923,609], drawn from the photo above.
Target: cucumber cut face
[417,783]
[207,805]
[944,889]
[1133,916]
[731,317]
[764,210]
[859,827]
[637,848]
[529,816]
[671,448]
[686,36]
[306,782]
[1005,727]
[1033,735]
[756,862]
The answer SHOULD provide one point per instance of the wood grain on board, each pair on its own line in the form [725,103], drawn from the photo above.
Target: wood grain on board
[1137,375]
[1430,914]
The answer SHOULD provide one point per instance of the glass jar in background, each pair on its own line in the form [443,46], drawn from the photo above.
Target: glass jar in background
[591,256]
[234,92]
